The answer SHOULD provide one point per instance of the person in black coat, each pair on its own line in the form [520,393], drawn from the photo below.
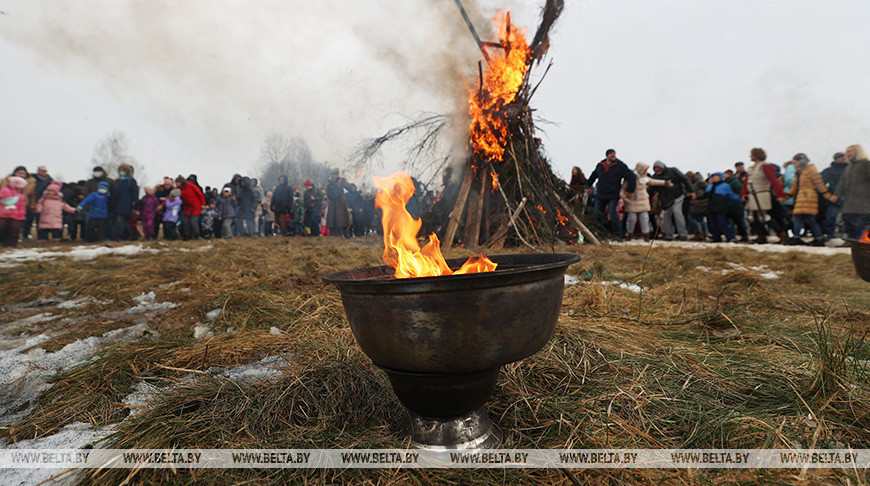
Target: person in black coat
[610,174]
[672,197]
[282,203]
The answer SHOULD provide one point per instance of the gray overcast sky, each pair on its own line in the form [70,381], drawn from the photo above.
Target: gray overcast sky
[197,85]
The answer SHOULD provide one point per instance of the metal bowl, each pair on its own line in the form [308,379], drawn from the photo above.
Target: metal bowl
[442,340]
[861,258]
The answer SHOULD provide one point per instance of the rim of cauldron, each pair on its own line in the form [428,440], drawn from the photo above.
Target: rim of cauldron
[512,269]
[859,242]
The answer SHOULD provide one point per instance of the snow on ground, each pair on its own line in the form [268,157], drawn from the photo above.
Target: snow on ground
[571,280]
[81,302]
[17,257]
[763,271]
[25,374]
[146,304]
[74,436]
[268,368]
[770,248]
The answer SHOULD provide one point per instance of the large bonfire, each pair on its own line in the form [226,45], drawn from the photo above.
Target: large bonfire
[508,193]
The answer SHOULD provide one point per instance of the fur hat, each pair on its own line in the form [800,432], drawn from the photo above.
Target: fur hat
[18,182]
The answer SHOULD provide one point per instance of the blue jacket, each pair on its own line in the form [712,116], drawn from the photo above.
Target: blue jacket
[98,204]
[720,195]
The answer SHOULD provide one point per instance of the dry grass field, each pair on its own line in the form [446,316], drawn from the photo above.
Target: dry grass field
[721,347]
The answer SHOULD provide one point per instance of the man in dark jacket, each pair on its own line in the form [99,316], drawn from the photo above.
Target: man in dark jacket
[672,197]
[126,196]
[831,177]
[355,206]
[610,174]
[282,203]
[311,203]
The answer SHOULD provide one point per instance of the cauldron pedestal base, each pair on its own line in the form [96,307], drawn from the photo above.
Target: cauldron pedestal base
[472,431]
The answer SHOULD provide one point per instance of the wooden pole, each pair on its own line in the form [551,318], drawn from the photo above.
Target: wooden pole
[583,229]
[458,208]
[475,211]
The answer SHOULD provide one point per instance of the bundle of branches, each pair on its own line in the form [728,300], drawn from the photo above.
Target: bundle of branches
[509,194]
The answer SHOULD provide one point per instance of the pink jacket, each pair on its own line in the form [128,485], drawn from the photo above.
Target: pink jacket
[50,208]
[12,208]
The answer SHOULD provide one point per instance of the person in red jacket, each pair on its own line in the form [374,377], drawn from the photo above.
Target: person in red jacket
[192,201]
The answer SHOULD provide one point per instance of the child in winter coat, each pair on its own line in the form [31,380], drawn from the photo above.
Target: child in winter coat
[98,212]
[13,209]
[227,212]
[720,196]
[148,206]
[171,215]
[51,207]
[207,219]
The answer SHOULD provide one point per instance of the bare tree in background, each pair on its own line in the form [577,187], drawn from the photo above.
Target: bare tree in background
[281,155]
[111,152]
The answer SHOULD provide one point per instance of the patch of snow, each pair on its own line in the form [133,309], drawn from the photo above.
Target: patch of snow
[213,314]
[202,248]
[571,280]
[624,285]
[142,394]
[768,248]
[81,302]
[42,317]
[144,298]
[147,304]
[78,435]
[202,332]
[268,368]
[185,289]
[23,376]
[170,284]
[24,255]
[40,302]
[275,331]
[762,271]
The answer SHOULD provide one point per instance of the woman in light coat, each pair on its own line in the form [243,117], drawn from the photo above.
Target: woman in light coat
[638,207]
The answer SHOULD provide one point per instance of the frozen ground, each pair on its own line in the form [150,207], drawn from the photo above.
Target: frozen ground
[17,257]
[770,248]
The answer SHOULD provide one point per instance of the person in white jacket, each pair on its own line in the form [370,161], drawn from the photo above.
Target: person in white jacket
[638,207]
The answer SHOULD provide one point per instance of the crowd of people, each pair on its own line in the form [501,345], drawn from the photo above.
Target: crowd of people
[103,208]
[792,201]
[743,204]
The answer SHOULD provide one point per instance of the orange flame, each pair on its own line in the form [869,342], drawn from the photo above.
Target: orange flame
[503,76]
[401,250]
[865,238]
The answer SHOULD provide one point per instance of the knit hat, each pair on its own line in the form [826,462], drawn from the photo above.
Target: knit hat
[18,182]
[98,168]
[660,164]
[838,155]
[175,192]
[308,183]
[54,186]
